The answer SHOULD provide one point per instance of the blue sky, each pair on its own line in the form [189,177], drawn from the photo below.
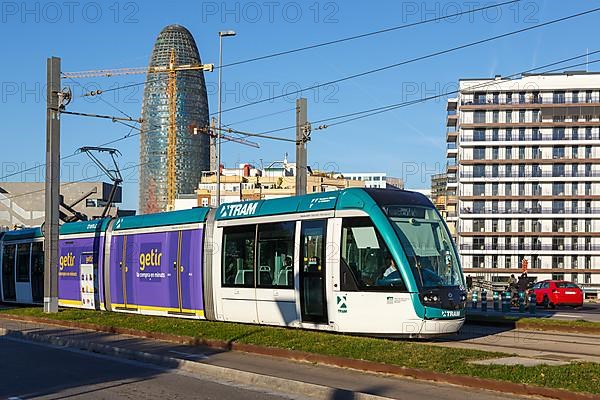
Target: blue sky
[408,143]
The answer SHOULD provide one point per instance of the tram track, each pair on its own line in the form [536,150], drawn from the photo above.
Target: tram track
[535,344]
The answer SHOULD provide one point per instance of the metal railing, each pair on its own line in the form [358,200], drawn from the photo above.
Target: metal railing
[582,210]
[531,99]
[528,247]
[541,174]
[490,137]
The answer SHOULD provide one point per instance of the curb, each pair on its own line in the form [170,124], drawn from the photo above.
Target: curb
[362,365]
[273,384]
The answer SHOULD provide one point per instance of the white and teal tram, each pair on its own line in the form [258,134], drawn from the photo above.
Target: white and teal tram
[362,261]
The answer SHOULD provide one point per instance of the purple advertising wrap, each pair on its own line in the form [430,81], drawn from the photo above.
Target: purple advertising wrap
[72,253]
[158,271]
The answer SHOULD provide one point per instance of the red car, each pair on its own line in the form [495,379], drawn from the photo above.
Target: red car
[557,293]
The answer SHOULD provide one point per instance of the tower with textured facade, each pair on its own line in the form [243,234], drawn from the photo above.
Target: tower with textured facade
[192,151]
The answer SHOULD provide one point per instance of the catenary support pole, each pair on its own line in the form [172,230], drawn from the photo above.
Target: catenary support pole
[301,139]
[52,192]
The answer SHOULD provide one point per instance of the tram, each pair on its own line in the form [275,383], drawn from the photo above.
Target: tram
[362,261]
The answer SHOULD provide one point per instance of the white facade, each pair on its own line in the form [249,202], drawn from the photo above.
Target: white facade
[371,179]
[527,157]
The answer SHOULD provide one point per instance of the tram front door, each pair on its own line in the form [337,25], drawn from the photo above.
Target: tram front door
[313,302]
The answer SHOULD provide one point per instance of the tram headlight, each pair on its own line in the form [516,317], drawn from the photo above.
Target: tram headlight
[430,298]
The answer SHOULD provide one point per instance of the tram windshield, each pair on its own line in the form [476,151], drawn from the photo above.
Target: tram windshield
[428,246]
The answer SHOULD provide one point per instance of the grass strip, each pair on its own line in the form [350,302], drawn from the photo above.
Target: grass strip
[579,377]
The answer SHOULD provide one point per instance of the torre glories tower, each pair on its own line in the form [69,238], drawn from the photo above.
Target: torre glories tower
[191,110]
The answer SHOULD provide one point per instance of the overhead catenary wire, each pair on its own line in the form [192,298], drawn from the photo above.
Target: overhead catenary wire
[362,113]
[367,34]
[401,105]
[416,59]
[393,106]
[326,43]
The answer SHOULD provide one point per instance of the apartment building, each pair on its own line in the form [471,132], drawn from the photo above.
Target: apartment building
[523,176]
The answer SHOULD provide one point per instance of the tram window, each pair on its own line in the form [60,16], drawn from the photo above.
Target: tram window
[23,251]
[367,257]
[238,256]
[276,255]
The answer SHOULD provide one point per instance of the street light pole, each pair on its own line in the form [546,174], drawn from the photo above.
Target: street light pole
[222,34]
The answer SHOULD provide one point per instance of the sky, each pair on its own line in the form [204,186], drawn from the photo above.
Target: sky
[408,143]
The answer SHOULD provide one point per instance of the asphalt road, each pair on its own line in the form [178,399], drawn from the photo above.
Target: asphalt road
[30,370]
[35,371]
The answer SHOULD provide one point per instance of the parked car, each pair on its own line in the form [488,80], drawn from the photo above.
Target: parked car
[552,293]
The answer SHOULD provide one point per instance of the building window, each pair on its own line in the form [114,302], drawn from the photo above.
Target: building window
[478,261]
[479,189]
[479,117]
[558,189]
[558,97]
[479,225]
[558,261]
[479,135]
[558,276]
[495,189]
[479,153]
[507,262]
[495,227]
[479,243]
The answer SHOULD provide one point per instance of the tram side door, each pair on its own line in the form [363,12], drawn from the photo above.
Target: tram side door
[180,247]
[313,302]
[125,294]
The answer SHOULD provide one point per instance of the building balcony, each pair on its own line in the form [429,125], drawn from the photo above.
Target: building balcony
[541,124]
[530,102]
[541,174]
[452,120]
[542,161]
[530,211]
[451,199]
[527,247]
[530,197]
[515,137]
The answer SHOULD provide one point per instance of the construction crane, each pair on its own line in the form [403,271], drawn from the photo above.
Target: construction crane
[171,70]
